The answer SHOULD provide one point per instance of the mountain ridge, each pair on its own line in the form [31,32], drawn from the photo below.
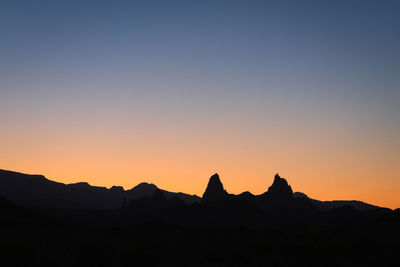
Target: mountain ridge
[324,205]
[37,190]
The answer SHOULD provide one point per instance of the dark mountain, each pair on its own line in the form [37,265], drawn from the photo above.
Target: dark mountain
[280,190]
[282,209]
[393,216]
[276,208]
[37,191]
[246,196]
[328,205]
[152,228]
[8,209]
[215,190]
[158,201]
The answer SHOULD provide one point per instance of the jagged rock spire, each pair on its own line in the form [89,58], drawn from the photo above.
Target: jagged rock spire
[279,190]
[215,190]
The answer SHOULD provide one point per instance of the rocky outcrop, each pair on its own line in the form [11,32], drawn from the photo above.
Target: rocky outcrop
[215,190]
[280,190]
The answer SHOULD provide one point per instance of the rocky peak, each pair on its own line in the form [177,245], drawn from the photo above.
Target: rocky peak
[279,190]
[215,190]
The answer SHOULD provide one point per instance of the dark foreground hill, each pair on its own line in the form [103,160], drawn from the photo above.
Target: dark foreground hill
[277,228]
[159,244]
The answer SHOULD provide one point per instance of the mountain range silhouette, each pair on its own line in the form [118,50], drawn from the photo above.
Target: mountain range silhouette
[37,191]
[46,223]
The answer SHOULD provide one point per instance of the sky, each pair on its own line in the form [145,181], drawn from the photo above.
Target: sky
[171,92]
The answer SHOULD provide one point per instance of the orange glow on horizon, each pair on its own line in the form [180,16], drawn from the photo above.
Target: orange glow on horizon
[323,159]
[313,166]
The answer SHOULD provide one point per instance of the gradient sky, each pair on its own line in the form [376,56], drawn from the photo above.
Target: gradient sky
[170,92]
